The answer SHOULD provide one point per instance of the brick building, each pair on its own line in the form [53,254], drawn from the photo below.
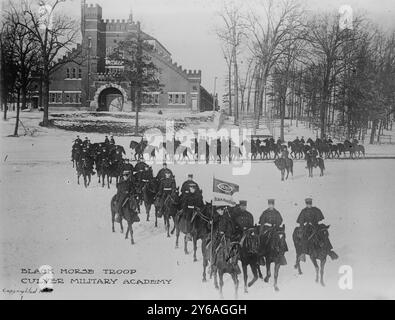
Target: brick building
[90,82]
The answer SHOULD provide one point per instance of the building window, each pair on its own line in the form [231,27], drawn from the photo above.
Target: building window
[55,97]
[74,73]
[79,73]
[177,98]
[67,73]
[72,97]
[151,98]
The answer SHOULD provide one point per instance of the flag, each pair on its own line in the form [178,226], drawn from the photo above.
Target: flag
[223,192]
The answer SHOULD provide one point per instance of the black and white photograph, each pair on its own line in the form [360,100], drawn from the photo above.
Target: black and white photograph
[220,150]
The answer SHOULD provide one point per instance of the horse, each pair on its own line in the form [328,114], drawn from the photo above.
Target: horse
[313,162]
[315,249]
[296,149]
[84,169]
[200,226]
[248,255]
[170,209]
[284,164]
[272,247]
[225,258]
[149,191]
[128,210]
[76,151]
[334,150]
[195,228]
[360,150]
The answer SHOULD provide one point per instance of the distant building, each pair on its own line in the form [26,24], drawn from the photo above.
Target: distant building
[91,84]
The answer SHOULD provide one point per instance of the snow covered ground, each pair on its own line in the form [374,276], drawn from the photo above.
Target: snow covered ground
[47,219]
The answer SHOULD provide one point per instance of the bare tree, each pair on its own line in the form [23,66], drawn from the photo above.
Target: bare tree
[270,26]
[232,34]
[23,54]
[55,37]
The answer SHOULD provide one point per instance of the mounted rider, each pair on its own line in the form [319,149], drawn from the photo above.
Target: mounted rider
[112,141]
[185,188]
[302,140]
[78,141]
[243,219]
[125,190]
[139,169]
[166,187]
[193,200]
[128,167]
[106,140]
[309,221]
[162,172]
[269,222]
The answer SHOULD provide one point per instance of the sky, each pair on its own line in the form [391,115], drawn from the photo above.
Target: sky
[187,27]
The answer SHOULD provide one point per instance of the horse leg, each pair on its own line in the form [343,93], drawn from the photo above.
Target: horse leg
[131,232]
[221,283]
[168,226]
[205,262]
[236,284]
[316,268]
[268,273]
[245,276]
[276,269]
[297,264]
[121,225]
[177,237]
[186,244]
[156,220]
[194,247]
[127,232]
[254,268]
[112,220]
[322,267]
[147,211]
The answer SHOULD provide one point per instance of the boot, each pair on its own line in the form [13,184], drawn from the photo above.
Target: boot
[333,255]
[302,257]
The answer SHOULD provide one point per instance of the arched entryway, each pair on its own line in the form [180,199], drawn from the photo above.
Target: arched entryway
[110,97]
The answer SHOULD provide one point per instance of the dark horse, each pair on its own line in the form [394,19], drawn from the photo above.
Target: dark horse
[284,164]
[84,169]
[197,228]
[314,162]
[248,255]
[315,248]
[272,246]
[170,208]
[149,191]
[222,259]
[128,210]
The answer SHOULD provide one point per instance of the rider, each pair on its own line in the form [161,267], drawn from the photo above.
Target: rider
[271,217]
[243,220]
[86,142]
[284,153]
[192,201]
[166,187]
[187,185]
[78,141]
[124,191]
[222,224]
[309,219]
[269,222]
[112,141]
[302,140]
[106,141]
[127,166]
[162,172]
[296,141]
